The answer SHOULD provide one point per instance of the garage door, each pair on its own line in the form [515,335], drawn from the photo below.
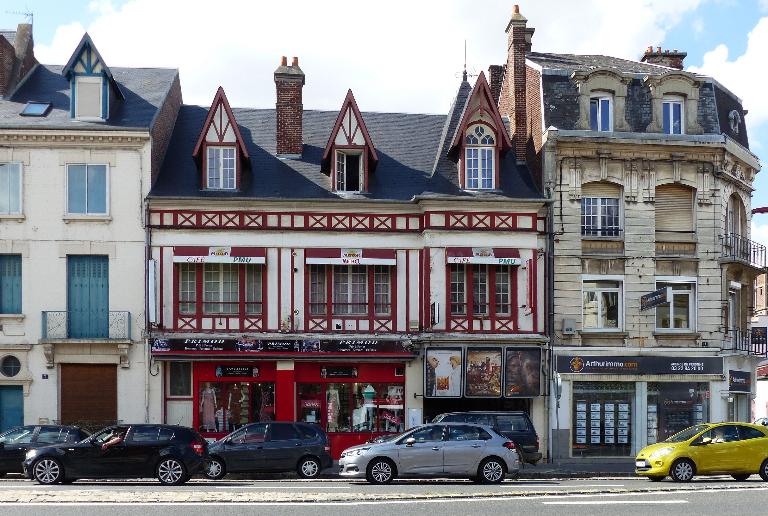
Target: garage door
[88,394]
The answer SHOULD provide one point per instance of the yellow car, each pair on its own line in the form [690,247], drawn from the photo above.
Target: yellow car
[736,449]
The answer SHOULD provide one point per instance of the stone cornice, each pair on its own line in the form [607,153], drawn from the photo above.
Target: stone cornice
[68,138]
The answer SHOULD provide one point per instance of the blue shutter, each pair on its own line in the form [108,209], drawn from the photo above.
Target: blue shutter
[10,284]
[88,296]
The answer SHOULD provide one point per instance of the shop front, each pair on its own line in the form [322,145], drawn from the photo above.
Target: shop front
[482,378]
[611,406]
[353,389]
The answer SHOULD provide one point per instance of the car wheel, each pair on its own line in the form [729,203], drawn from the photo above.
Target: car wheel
[656,478]
[682,470]
[741,477]
[491,471]
[380,471]
[309,467]
[171,472]
[47,471]
[764,470]
[214,469]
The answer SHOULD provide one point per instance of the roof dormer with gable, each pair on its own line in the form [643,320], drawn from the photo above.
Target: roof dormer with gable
[349,155]
[480,141]
[220,149]
[93,90]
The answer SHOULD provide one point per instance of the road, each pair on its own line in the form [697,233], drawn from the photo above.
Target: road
[627,496]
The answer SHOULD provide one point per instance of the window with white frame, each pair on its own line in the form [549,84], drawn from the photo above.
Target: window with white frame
[479,158]
[672,115]
[600,216]
[221,169]
[87,189]
[602,304]
[678,314]
[348,171]
[10,188]
[600,116]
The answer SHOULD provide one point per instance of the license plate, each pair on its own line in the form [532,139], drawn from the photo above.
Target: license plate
[640,464]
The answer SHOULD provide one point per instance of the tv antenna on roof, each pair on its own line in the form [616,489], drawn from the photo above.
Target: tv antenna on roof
[464,73]
[26,13]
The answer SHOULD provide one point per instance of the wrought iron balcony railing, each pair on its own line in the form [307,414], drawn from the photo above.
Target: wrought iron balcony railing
[746,341]
[736,247]
[86,324]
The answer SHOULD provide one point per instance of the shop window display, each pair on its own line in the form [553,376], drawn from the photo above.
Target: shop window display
[673,407]
[602,418]
[353,407]
[226,406]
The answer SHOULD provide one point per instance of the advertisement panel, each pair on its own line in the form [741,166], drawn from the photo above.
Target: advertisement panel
[442,373]
[483,372]
[522,372]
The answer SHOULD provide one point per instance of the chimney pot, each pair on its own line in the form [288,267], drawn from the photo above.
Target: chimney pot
[658,50]
[516,9]
[284,61]
[295,61]
[649,50]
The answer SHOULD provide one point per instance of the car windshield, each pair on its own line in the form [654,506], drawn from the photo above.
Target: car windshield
[686,434]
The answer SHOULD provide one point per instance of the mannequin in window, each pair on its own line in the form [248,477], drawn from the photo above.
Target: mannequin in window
[332,404]
[360,417]
[208,408]
[235,406]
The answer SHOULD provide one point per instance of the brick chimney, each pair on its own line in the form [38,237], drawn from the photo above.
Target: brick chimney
[289,81]
[673,59]
[519,42]
[495,76]
[17,57]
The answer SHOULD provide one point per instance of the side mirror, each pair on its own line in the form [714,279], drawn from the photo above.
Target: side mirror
[410,441]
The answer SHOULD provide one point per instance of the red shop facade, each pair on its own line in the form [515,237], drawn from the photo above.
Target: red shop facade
[353,389]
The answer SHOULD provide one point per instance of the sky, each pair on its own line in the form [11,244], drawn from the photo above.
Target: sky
[400,55]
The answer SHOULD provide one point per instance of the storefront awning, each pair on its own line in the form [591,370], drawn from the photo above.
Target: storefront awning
[201,254]
[350,256]
[483,255]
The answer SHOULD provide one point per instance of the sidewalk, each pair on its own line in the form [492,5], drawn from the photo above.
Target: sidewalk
[569,468]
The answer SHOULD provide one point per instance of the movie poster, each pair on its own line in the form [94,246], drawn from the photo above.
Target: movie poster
[483,377]
[522,375]
[442,373]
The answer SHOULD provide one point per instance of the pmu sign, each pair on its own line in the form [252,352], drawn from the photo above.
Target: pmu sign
[656,298]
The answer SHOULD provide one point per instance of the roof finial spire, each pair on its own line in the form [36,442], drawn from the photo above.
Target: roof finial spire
[464,73]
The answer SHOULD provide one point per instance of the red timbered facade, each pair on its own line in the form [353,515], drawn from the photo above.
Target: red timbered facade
[359,305]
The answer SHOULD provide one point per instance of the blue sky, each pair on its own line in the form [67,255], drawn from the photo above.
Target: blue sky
[400,63]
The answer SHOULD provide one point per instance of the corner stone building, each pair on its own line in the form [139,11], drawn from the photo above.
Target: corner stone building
[650,176]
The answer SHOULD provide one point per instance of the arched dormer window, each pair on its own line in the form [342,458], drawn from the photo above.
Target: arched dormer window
[479,152]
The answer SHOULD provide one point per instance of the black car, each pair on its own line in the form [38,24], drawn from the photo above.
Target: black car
[170,453]
[15,443]
[514,425]
[270,447]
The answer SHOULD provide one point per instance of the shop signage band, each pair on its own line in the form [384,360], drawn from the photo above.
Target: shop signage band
[272,347]
[583,364]
[188,254]
[739,381]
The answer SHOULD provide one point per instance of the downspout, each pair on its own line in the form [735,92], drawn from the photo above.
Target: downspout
[147,253]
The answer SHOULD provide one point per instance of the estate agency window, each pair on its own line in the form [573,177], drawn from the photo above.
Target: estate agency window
[602,418]
[673,407]
[352,406]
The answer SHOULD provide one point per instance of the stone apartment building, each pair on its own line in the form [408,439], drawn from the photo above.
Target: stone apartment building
[78,144]
[649,175]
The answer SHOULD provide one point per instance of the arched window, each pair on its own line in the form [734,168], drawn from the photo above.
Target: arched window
[479,158]
[735,217]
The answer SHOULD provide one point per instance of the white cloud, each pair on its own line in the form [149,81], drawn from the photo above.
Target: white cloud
[399,55]
[760,231]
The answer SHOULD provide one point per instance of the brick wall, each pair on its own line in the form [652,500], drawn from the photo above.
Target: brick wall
[289,110]
[163,126]
[495,76]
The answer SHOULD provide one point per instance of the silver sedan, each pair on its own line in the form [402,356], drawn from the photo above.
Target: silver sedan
[441,449]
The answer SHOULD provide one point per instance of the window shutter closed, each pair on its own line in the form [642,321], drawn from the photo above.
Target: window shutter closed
[674,208]
[601,189]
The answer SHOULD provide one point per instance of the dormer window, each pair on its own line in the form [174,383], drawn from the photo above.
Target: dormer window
[348,170]
[600,116]
[479,158]
[672,115]
[221,168]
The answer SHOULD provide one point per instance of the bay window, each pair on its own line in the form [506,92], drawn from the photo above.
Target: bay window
[350,290]
[602,304]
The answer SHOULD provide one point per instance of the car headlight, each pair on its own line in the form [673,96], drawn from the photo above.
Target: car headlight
[31,454]
[661,453]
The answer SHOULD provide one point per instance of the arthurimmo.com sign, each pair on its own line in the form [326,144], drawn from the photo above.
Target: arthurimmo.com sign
[595,364]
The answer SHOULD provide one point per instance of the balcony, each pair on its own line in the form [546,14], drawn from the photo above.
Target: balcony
[737,249]
[88,325]
[746,341]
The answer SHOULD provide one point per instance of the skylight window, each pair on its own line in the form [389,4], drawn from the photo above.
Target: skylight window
[36,109]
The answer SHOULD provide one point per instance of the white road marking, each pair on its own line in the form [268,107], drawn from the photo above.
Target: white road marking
[615,502]
[283,487]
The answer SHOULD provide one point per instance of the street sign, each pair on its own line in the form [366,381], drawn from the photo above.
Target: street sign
[656,298]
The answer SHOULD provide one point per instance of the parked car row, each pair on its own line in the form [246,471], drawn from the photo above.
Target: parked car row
[458,444]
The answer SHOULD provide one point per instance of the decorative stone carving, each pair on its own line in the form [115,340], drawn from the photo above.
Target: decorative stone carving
[631,180]
[575,173]
[674,83]
[649,181]
[602,80]
[123,350]
[734,120]
[48,353]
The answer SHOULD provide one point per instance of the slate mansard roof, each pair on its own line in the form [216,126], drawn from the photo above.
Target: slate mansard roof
[412,151]
[145,90]
[561,96]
